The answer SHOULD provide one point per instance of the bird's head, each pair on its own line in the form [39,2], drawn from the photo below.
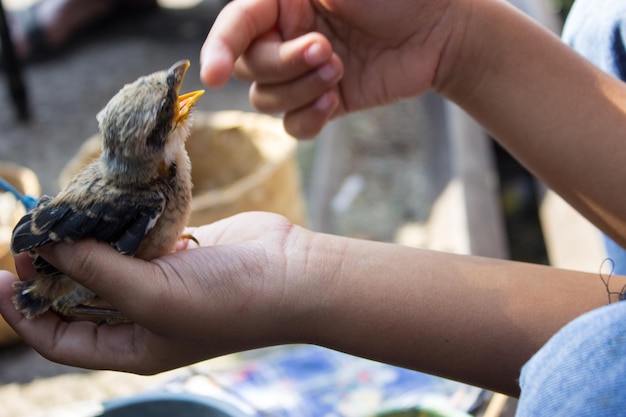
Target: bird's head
[145,125]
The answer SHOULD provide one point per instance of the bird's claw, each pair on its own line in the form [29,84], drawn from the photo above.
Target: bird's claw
[108,316]
[191,237]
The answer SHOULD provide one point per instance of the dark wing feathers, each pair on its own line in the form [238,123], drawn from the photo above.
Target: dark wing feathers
[121,221]
[23,238]
[129,241]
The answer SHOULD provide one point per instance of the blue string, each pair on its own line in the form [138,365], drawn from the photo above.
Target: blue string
[28,201]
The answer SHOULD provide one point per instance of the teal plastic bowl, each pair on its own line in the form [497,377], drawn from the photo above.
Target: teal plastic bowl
[170,405]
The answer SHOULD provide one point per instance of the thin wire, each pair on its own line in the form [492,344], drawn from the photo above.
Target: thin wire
[621,295]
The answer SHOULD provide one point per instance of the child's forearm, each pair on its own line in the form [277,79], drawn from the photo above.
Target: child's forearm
[562,117]
[467,318]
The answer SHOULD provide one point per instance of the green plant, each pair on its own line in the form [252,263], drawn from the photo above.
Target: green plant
[563,6]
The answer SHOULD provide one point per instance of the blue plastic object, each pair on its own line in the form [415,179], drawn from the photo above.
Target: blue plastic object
[28,201]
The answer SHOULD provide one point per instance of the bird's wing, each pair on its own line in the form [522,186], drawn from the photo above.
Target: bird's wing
[121,218]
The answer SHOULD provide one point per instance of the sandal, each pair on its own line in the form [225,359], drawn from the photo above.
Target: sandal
[40,49]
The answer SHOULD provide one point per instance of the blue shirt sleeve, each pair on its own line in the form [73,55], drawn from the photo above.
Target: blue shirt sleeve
[581,371]
[595,29]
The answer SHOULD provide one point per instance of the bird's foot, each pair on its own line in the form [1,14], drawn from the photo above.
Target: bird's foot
[183,242]
[102,315]
[191,237]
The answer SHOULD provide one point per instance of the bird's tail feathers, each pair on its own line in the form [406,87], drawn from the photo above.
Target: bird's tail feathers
[28,300]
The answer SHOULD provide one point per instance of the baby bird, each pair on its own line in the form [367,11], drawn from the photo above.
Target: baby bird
[136,195]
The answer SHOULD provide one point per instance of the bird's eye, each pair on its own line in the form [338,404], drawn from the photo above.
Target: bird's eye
[156,139]
[167,110]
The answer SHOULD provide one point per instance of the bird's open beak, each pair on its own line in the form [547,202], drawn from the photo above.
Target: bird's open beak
[186,102]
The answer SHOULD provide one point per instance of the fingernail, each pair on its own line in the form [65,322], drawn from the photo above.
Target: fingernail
[315,55]
[327,72]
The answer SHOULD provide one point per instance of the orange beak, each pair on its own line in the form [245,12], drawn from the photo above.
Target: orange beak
[185,103]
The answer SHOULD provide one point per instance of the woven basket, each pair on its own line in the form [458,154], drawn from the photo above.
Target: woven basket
[11,211]
[240,162]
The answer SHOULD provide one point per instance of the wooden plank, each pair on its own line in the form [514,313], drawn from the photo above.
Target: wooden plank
[571,240]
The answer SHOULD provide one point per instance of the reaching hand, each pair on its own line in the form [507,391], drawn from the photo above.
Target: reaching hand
[315,60]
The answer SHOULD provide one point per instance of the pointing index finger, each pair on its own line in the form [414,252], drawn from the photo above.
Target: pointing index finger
[236,27]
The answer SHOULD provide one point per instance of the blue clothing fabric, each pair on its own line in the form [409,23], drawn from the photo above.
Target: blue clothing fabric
[581,371]
[596,30]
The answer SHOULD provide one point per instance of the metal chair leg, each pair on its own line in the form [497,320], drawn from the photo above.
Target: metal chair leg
[13,70]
